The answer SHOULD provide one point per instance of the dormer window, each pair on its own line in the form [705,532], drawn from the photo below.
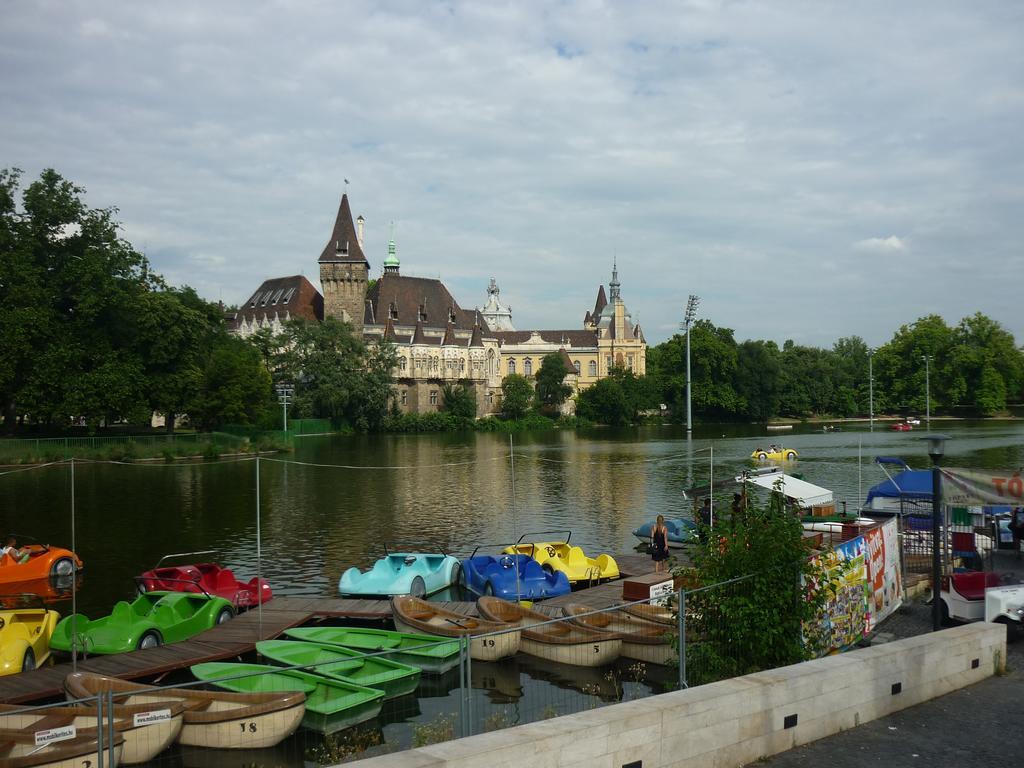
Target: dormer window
[421,314]
[451,314]
[393,311]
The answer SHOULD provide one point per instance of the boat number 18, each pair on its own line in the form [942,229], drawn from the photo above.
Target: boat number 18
[247,727]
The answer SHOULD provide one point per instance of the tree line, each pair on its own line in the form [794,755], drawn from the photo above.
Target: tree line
[93,336]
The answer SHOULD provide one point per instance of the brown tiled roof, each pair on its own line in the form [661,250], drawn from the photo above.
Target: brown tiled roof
[293,296]
[449,336]
[575,337]
[409,294]
[344,244]
[600,304]
[477,339]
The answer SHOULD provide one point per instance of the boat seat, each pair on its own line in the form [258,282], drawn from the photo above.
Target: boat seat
[226,580]
[972,585]
[122,612]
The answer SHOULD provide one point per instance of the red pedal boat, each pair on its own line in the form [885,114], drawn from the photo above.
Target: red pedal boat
[204,577]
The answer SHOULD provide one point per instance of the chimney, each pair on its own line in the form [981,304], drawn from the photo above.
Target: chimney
[359,230]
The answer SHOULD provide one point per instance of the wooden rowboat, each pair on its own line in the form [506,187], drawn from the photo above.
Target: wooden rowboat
[414,615]
[18,750]
[564,642]
[656,614]
[148,729]
[642,640]
[217,719]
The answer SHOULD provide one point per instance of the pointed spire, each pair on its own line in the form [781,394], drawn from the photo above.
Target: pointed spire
[391,263]
[418,336]
[389,332]
[344,242]
[600,304]
[477,339]
[614,284]
[449,336]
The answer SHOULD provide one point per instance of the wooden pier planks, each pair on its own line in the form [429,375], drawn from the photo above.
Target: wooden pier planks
[240,635]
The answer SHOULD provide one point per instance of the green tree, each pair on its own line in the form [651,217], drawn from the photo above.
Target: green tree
[516,396]
[335,374]
[552,390]
[605,402]
[757,379]
[757,623]
[71,296]
[900,368]
[459,400]
[234,388]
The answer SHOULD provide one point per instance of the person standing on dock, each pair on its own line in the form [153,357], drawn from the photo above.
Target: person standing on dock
[659,545]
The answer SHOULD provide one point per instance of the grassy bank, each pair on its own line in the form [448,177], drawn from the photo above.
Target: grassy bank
[169,448]
[438,421]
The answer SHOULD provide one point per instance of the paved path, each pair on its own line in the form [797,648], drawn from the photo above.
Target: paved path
[982,725]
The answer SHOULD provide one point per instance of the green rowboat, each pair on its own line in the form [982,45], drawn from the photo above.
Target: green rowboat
[423,651]
[331,704]
[344,664]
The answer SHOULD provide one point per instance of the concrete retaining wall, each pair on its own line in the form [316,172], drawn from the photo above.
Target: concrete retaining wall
[736,721]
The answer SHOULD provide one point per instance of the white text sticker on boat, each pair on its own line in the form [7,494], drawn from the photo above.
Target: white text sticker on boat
[50,735]
[153,716]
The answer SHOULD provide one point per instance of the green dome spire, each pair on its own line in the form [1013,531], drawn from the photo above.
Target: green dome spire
[391,263]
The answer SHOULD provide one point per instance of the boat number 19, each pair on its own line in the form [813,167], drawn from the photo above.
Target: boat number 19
[487,641]
[247,727]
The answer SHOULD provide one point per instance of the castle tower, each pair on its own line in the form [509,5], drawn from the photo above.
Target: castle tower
[391,263]
[344,271]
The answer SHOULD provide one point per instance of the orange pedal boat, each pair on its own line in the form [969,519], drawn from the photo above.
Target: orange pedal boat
[37,561]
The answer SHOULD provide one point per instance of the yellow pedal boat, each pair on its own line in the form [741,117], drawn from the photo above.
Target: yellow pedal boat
[773,453]
[25,628]
[570,560]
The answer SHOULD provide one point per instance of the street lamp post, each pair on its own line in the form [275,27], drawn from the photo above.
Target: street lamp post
[871,389]
[927,391]
[691,313]
[936,448]
[284,397]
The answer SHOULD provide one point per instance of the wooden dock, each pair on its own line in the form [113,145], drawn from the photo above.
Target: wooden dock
[240,635]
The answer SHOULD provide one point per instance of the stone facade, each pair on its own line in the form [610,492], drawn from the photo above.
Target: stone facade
[437,341]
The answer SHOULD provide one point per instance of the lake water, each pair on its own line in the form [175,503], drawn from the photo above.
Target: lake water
[336,500]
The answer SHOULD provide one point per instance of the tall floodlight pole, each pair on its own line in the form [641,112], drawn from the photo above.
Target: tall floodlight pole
[927,391]
[871,389]
[691,313]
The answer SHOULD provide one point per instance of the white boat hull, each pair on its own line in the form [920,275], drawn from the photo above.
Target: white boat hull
[257,732]
[595,653]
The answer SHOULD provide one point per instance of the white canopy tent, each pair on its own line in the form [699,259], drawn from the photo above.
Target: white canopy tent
[800,491]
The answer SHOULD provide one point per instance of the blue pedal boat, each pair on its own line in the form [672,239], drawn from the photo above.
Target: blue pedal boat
[511,577]
[680,532]
[402,573]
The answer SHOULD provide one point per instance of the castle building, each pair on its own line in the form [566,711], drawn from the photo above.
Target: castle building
[437,341]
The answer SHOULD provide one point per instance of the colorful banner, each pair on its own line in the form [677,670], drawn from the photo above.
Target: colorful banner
[972,486]
[885,585]
[843,620]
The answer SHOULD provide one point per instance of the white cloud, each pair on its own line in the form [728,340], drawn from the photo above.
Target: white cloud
[724,149]
[889,244]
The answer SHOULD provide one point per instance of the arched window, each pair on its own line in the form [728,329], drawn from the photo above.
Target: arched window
[528,367]
[576,365]
[592,368]
[511,366]
[402,364]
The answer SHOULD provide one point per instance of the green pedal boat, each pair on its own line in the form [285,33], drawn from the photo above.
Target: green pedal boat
[344,664]
[331,704]
[431,654]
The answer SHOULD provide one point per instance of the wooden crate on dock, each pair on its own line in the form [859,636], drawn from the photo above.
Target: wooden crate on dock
[656,587]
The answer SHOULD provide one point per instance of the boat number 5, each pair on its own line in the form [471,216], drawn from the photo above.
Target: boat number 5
[250,727]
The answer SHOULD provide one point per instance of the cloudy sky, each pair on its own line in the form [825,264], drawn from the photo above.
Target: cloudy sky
[811,170]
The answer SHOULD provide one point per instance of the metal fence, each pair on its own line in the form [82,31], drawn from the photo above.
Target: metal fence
[486,682]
